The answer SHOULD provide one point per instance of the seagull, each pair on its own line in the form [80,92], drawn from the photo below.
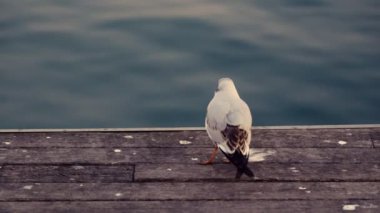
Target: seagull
[228,123]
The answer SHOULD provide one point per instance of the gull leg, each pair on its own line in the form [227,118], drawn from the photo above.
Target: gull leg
[212,157]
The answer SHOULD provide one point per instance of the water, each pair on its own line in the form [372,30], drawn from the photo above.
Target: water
[72,64]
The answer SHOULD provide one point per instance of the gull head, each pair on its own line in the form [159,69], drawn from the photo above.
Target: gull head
[226,85]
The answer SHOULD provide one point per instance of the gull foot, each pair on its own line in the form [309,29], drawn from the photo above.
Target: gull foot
[206,163]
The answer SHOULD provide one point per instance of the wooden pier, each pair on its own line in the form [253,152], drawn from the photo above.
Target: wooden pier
[298,169]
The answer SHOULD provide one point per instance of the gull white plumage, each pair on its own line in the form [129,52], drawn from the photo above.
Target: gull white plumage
[228,124]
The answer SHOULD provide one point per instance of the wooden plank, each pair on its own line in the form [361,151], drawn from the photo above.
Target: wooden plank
[259,206]
[262,138]
[66,173]
[185,172]
[165,129]
[180,155]
[263,172]
[194,191]
[375,136]
[105,139]
[313,138]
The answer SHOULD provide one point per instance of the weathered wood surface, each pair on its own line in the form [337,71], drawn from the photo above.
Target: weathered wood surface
[189,191]
[262,138]
[120,173]
[179,155]
[257,206]
[263,171]
[297,170]
[66,173]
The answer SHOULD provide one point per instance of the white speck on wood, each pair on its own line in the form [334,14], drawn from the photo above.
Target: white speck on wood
[78,167]
[118,194]
[72,179]
[169,169]
[117,150]
[294,169]
[259,155]
[48,137]
[342,142]
[308,191]
[28,187]
[24,150]
[7,142]
[184,142]
[194,159]
[301,188]
[350,207]
[327,141]
[81,185]
[128,136]
[344,170]
[134,153]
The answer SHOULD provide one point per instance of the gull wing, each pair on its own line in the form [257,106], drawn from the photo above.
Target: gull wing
[236,138]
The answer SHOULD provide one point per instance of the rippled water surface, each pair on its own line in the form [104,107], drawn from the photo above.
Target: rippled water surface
[139,63]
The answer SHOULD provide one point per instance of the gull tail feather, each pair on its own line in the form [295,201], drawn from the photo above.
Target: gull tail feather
[246,171]
[240,161]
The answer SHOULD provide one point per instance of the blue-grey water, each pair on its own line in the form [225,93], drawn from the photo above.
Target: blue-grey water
[140,63]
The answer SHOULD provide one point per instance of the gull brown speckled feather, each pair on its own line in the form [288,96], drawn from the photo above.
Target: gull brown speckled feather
[236,138]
